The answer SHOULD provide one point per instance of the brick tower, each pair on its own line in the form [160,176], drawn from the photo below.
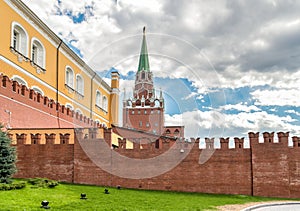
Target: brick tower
[144,111]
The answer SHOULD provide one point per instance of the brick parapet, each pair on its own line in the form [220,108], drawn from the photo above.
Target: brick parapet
[265,169]
[296,141]
[20,93]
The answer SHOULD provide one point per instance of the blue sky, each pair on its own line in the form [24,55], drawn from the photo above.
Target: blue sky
[225,67]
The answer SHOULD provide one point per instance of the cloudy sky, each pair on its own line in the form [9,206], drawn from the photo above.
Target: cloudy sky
[225,67]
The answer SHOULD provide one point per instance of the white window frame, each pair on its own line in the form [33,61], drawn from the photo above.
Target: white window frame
[37,90]
[79,84]
[98,98]
[104,103]
[78,111]
[69,77]
[69,105]
[38,57]
[19,79]
[22,40]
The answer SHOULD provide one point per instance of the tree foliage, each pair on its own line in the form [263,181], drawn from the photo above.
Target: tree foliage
[8,157]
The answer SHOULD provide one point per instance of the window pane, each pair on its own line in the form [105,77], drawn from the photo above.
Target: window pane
[34,54]
[16,40]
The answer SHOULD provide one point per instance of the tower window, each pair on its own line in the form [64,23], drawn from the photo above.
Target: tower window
[143,75]
[156,103]
[140,123]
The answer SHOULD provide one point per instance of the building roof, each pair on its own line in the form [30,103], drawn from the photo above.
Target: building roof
[135,134]
[144,61]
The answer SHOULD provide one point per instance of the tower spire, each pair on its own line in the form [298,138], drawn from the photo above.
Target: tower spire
[144,61]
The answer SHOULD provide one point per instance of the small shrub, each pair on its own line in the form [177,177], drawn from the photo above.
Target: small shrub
[4,186]
[52,184]
[19,185]
[12,186]
[42,183]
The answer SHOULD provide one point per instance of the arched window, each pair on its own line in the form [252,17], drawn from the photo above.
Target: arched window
[69,77]
[19,39]
[168,131]
[156,103]
[20,80]
[78,114]
[98,98]
[104,103]
[79,85]
[37,90]
[78,111]
[38,53]
[68,105]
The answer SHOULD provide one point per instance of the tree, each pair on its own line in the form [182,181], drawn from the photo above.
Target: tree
[8,157]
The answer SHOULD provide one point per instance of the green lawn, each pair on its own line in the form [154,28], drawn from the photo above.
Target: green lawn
[67,197]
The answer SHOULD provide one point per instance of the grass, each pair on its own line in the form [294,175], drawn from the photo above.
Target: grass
[67,197]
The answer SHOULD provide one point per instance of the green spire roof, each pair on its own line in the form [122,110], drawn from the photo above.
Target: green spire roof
[144,61]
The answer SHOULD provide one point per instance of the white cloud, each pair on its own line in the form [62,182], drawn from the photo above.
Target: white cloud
[293,112]
[193,94]
[215,124]
[209,123]
[240,107]
[282,97]
[153,6]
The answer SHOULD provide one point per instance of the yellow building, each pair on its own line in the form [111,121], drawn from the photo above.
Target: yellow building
[34,56]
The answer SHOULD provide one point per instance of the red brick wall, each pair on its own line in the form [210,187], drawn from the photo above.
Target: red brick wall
[228,171]
[53,161]
[294,172]
[20,100]
[270,167]
[149,121]
[267,169]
